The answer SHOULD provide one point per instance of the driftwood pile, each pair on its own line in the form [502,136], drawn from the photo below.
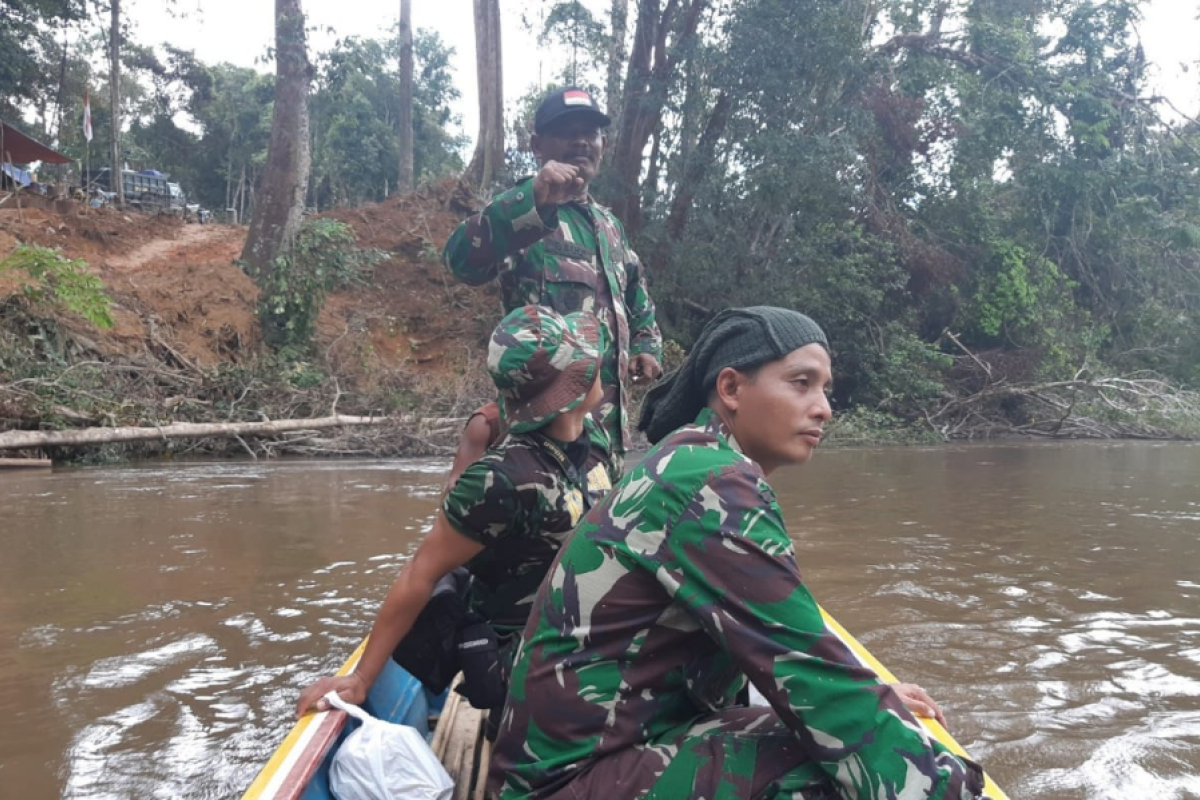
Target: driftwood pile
[1100,408]
[1139,406]
[95,402]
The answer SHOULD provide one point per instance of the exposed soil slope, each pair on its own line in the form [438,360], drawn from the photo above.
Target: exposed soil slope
[409,339]
[179,283]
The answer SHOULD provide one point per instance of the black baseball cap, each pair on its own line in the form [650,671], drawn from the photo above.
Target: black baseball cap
[565,102]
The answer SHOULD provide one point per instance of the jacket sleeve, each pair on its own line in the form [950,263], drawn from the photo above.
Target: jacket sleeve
[644,335]
[484,505]
[476,250]
[733,568]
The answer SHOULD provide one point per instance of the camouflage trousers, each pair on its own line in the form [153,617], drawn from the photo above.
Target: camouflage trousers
[734,754]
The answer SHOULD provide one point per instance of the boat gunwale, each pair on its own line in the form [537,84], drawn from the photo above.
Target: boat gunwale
[307,744]
[990,790]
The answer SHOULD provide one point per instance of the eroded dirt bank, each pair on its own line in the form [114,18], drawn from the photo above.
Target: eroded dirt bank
[185,345]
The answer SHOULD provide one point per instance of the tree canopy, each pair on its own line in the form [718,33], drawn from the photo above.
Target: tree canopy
[981,191]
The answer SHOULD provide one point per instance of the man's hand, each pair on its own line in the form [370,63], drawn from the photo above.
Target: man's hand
[644,368]
[556,183]
[350,688]
[918,702]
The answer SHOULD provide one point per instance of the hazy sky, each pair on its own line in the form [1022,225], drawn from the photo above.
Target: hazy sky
[239,31]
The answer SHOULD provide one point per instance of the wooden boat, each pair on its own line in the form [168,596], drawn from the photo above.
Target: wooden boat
[299,769]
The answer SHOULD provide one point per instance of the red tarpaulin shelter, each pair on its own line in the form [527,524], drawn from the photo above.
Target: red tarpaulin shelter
[21,149]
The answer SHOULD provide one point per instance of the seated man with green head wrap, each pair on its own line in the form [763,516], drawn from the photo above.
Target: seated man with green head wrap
[682,584]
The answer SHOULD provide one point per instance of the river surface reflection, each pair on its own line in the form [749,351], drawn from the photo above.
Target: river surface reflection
[156,622]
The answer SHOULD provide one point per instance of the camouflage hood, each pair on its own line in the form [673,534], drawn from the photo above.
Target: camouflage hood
[543,364]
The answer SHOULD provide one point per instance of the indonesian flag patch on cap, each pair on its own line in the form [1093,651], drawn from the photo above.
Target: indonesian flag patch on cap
[577,97]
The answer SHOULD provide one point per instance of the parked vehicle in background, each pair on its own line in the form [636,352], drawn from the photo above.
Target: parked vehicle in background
[147,191]
[178,203]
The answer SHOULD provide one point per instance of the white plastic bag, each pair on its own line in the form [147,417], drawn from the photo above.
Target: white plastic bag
[385,761]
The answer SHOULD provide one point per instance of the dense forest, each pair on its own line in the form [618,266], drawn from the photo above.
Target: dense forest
[995,220]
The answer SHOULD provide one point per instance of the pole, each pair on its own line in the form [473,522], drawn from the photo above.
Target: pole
[16,185]
[114,94]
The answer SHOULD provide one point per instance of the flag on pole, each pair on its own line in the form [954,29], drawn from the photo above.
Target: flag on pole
[87,116]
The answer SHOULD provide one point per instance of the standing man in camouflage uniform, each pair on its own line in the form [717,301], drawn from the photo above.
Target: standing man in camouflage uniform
[508,514]
[550,244]
[682,585]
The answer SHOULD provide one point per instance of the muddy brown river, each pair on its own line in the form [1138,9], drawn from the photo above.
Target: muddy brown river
[156,622]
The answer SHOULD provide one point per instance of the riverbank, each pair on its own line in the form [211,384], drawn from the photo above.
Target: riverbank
[184,346]
[406,343]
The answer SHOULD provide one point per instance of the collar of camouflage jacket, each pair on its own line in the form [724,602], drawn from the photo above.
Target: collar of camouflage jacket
[711,421]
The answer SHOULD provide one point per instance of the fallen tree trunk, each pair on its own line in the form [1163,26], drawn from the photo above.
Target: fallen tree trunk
[11,440]
[23,463]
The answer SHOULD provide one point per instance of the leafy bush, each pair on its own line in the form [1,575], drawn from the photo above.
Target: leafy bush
[323,257]
[1019,295]
[60,282]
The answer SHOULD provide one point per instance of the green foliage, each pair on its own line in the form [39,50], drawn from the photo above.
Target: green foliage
[897,182]
[437,137]
[354,119]
[29,51]
[1026,304]
[867,426]
[323,257]
[303,375]
[57,281]
[1018,295]
[995,168]
[571,26]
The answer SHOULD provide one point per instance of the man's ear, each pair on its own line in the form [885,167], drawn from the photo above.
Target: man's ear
[729,387]
[535,144]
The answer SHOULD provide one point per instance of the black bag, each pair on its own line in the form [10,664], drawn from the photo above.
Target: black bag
[429,652]
[484,683]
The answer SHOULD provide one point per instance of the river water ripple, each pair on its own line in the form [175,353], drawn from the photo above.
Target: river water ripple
[157,622]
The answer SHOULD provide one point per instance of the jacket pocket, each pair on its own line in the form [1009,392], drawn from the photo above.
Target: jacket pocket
[570,286]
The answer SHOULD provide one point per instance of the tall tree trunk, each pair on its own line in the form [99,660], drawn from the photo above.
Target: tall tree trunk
[279,203]
[406,178]
[488,161]
[699,162]
[114,98]
[241,196]
[616,58]
[62,80]
[652,64]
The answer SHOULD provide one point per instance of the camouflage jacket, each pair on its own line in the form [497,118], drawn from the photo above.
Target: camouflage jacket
[521,503]
[576,260]
[679,584]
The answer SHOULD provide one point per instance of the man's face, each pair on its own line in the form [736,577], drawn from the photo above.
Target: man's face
[781,410]
[572,140]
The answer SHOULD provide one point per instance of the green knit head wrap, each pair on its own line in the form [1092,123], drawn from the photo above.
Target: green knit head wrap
[741,338]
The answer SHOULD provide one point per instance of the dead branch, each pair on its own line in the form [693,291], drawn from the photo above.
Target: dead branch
[1111,407]
[987,369]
